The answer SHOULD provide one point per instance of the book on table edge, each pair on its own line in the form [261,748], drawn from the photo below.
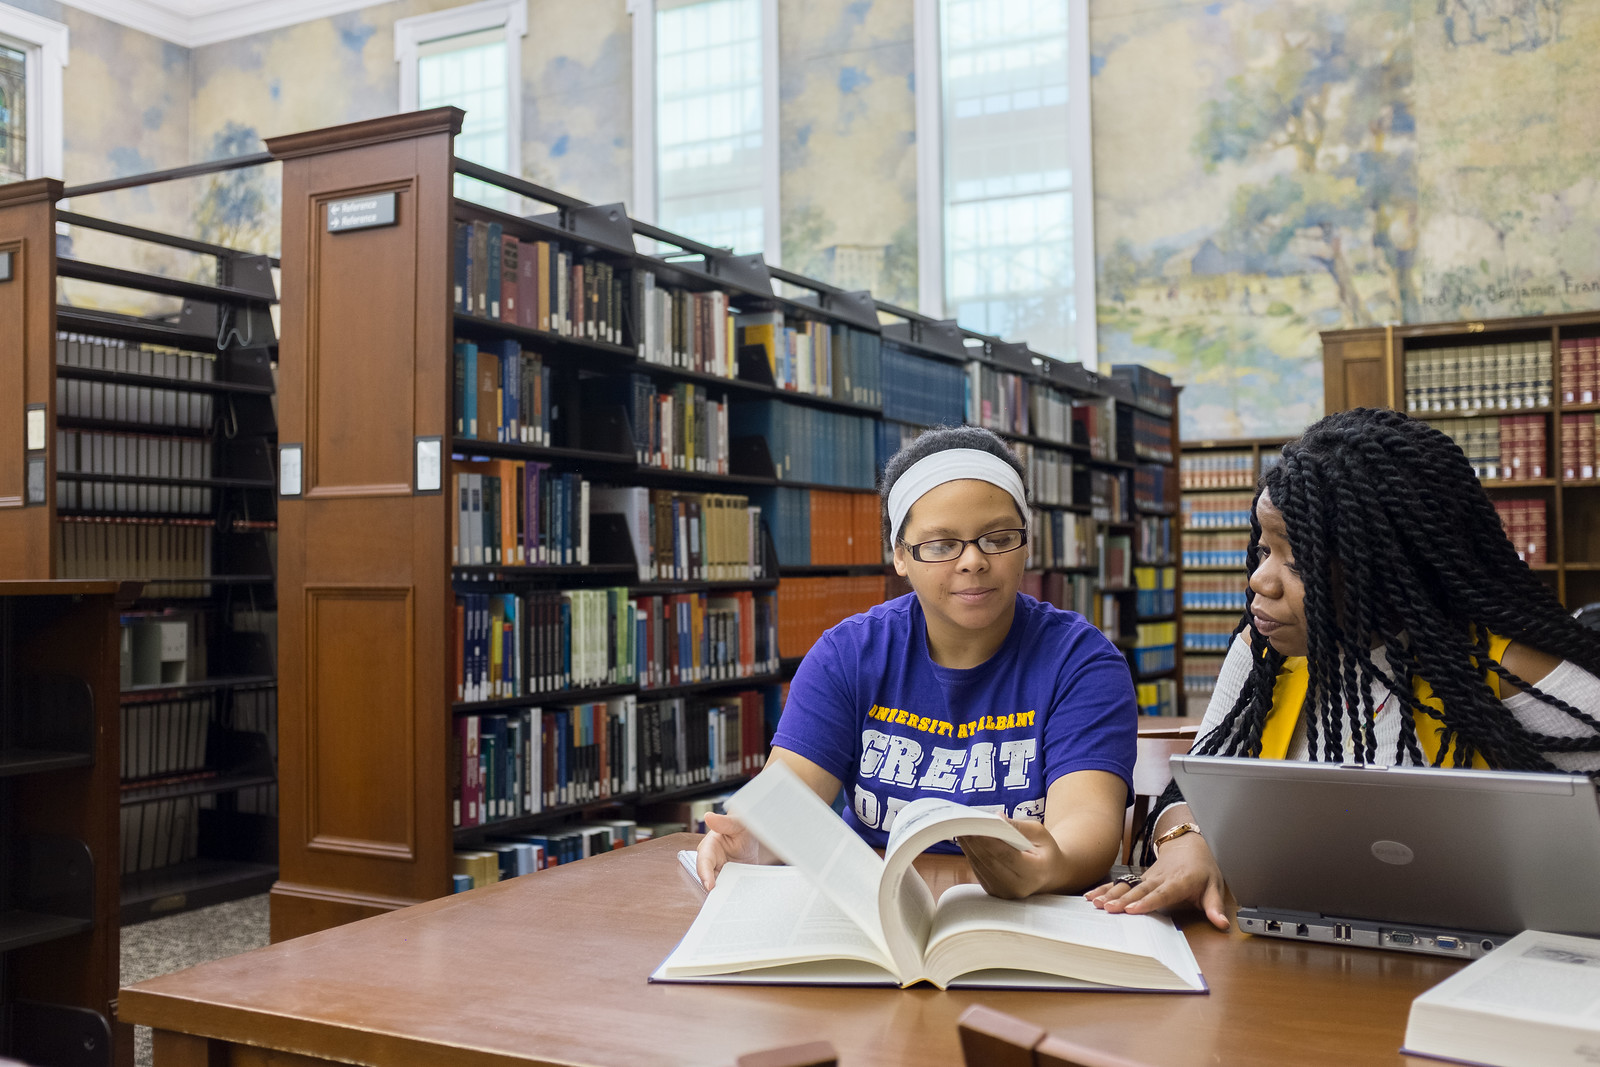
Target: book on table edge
[1532,1002]
[874,921]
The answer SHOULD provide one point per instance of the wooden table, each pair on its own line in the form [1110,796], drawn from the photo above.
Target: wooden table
[550,969]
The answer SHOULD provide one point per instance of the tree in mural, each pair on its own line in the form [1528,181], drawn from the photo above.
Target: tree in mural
[1333,99]
[236,208]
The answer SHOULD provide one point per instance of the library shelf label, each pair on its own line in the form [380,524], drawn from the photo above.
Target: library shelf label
[361,213]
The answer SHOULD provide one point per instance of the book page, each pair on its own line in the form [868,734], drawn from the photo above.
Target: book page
[1534,975]
[905,903]
[758,916]
[792,821]
[1060,935]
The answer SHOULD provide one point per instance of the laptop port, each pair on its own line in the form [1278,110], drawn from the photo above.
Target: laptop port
[1398,938]
[1301,930]
[1341,932]
[1449,943]
[1486,945]
[1273,926]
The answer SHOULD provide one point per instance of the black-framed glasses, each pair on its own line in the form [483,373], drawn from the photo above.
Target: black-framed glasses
[947,549]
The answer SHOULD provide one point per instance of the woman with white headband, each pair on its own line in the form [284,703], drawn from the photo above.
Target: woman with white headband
[965,688]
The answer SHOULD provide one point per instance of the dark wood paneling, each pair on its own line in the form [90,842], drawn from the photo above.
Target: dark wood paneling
[1354,373]
[360,716]
[365,603]
[27,369]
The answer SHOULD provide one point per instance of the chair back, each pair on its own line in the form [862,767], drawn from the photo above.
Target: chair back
[1151,773]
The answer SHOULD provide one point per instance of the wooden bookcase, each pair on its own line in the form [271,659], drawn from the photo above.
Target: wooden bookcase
[1218,480]
[368,428]
[59,742]
[1369,368]
[145,453]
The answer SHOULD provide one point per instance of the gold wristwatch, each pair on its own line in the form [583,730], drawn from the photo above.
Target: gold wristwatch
[1172,834]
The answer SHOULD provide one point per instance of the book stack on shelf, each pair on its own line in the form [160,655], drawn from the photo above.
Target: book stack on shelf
[1218,480]
[635,489]
[150,457]
[1524,419]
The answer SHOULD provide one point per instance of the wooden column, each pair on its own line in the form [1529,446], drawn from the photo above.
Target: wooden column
[363,559]
[27,372]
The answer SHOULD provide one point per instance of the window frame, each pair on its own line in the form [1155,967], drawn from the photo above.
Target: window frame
[45,43]
[644,205]
[411,34]
[930,172]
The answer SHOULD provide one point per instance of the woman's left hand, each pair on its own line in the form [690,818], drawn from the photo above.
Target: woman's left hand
[1005,872]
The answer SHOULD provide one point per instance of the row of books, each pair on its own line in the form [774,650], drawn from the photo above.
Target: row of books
[1214,510]
[1510,376]
[1151,389]
[159,833]
[1214,592]
[1154,533]
[126,547]
[1578,435]
[824,528]
[1094,423]
[697,537]
[1051,474]
[502,393]
[998,400]
[1511,447]
[1152,436]
[1116,559]
[1527,525]
[131,456]
[1580,370]
[679,427]
[811,445]
[1155,647]
[1061,539]
[535,285]
[524,761]
[1216,470]
[679,328]
[1215,549]
[800,354]
[1157,588]
[1108,614]
[1200,672]
[163,738]
[1069,592]
[150,405]
[1208,633]
[921,391]
[809,606]
[544,641]
[1157,697]
[1109,496]
[1154,486]
[518,513]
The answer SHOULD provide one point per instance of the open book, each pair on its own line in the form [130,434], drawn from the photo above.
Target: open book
[1533,1001]
[837,914]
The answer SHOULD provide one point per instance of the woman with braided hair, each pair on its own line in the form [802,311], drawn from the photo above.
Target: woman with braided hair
[1388,620]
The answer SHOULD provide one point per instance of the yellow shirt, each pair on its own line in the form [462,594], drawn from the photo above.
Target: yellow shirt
[1289,697]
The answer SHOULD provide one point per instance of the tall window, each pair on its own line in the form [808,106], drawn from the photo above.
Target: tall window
[32,52]
[1014,244]
[468,57]
[13,114]
[707,131]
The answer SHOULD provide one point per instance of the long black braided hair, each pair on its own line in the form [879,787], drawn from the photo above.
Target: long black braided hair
[1397,543]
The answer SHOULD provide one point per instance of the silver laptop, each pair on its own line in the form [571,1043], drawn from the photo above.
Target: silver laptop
[1447,862]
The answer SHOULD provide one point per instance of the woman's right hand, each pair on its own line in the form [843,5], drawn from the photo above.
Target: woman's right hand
[726,841]
[1185,873]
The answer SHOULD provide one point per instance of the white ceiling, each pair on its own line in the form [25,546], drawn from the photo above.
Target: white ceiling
[193,23]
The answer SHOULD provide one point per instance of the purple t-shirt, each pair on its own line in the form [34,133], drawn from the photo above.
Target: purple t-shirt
[869,706]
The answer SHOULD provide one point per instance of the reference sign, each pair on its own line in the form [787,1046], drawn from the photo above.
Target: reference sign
[361,213]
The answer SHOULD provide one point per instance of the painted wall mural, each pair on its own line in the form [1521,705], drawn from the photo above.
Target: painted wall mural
[848,152]
[1266,170]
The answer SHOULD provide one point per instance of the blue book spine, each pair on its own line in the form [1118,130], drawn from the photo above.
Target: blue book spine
[511,389]
[470,378]
[463,266]
[492,274]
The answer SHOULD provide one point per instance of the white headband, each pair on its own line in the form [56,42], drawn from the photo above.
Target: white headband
[951,465]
